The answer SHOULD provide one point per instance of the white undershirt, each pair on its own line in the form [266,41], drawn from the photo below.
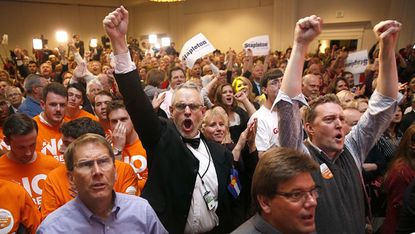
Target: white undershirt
[200,219]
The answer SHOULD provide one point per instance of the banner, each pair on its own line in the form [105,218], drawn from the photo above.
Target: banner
[195,48]
[259,45]
[357,62]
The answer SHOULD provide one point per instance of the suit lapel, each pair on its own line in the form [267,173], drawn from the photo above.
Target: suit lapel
[222,169]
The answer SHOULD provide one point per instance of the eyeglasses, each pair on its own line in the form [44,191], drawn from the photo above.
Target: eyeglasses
[300,196]
[13,94]
[104,163]
[180,107]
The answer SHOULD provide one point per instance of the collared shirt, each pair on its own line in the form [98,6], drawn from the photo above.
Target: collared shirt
[130,214]
[200,218]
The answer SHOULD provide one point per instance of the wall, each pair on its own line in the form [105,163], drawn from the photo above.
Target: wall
[24,21]
[227,23]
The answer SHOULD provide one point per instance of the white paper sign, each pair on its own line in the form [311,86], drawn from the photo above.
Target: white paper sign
[357,62]
[259,45]
[195,48]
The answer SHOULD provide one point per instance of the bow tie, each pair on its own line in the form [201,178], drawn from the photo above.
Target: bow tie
[194,143]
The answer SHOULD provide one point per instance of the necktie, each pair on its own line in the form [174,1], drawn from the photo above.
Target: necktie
[194,143]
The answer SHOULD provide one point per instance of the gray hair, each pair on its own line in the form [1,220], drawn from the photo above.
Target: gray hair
[188,85]
[30,82]
[92,82]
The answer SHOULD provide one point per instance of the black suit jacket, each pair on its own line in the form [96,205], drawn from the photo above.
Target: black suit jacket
[172,167]
[11,110]
[255,89]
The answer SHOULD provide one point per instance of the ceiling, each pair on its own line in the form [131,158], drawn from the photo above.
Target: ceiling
[98,3]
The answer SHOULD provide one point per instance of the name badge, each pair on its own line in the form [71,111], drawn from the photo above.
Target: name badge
[209,200]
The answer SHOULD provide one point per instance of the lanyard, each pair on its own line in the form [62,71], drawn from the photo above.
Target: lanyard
[201,176]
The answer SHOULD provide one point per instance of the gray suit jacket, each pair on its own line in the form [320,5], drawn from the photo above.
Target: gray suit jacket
[255,225]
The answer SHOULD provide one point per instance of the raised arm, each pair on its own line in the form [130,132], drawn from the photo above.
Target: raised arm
[306,30]
[383,102]
[289,123]
[145,120]
[116,26]
[387,34]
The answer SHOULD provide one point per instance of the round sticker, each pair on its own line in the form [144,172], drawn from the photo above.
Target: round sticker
[6,221]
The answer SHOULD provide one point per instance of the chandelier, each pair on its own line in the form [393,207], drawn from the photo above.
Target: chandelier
[167,0]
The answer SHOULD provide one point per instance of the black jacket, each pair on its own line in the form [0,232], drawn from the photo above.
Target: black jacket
[171,165]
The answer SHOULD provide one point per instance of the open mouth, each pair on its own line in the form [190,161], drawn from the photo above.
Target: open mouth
[187,123]
[339,137]
[308,218]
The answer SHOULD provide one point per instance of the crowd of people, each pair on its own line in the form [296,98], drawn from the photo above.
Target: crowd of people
[128,139]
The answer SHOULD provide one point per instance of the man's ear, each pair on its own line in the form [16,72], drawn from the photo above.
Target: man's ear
[42,104]
[70,176]
[171,110]
[264,90]
[309,129]
[115,174]
[264,203]
[203,109]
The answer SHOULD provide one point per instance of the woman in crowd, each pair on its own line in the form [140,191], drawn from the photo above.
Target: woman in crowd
[242,84]
[345,97]
[215,127]
[238,117]
[400,173]
[339,85]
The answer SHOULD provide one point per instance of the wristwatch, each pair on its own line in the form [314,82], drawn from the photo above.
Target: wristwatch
[116,151]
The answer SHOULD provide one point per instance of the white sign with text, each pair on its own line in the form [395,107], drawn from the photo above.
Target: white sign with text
[357,62]
[195,48]
[259,45]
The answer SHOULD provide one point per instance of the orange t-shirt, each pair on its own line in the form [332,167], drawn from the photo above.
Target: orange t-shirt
[30,175]
[136,156]
[17,207]
[56,191]
[81,114]
[3,146]
[49,139]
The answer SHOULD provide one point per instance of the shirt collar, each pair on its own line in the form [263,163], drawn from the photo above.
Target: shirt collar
[322,153]
[89,215]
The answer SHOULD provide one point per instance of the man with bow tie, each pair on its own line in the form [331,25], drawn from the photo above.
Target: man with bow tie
[188,175]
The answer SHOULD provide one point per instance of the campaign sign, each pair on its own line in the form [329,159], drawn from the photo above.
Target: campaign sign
[357,62]
[259,45]
[195,48]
